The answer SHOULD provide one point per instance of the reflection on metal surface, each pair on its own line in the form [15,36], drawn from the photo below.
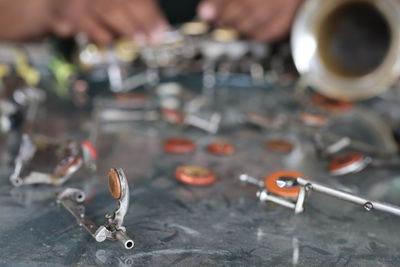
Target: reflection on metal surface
[331,44]
[113,229]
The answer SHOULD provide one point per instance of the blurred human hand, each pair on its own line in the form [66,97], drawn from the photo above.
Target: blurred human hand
[101,20]
[21,20]
[104,20]
[263,20]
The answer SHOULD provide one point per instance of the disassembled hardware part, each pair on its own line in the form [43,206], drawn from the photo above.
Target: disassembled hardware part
[350,162]
[280,188]
[41,160]
[195,175]
[124,107]
[353,162]
[113,228]
[295,181]
[279,145]
[19,102]
[210,123]
[221,147]
[179,145]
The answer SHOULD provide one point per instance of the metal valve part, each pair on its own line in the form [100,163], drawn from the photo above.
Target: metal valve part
[41,160]
[295,182]
[113,228]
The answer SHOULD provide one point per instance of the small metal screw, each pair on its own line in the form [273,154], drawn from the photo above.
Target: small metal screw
[368,206]
[308,187]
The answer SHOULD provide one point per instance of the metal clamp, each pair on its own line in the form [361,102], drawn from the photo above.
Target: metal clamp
[113,228]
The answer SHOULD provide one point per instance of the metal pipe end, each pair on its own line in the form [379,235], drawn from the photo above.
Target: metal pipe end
[126,241]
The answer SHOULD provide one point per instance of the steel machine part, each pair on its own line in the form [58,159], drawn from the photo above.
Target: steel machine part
[67,157]
[113,228]
[295,181]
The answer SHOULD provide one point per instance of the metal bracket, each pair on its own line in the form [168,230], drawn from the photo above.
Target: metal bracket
[71,199]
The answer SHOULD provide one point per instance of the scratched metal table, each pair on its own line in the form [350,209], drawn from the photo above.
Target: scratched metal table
[219,225]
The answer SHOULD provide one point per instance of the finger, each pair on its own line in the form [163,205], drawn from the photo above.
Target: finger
[95,31]
[274,29]
[280,26]
[209,10]
[235,11]
[259,20]
[149,18]
[114,16]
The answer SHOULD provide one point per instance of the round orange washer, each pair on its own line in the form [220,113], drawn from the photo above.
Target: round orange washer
[330,104]
[279,145]
[344,160]
[172,115]
[271,185]
[195,175]
[114,184]
[131,98]
[220,147]
[179,145]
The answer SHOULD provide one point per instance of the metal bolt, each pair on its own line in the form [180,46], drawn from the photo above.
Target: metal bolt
[368,206]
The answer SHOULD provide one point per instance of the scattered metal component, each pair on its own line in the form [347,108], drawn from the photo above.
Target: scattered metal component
[179,145]
[195,175]
[279,145]
[221,147]
[350,162]
[353,162]
[259,120]
[326,150]
[19,102]
[210,123]
[125,107]
[32,164]
[303,186]
[113,228]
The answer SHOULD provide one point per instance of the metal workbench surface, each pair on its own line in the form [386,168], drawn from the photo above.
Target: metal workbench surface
[219,225]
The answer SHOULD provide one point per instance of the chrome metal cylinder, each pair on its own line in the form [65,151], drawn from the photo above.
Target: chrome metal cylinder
[348,49]
[125,240]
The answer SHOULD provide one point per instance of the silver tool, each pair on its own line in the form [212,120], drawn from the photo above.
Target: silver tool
[306,186]
[113,229]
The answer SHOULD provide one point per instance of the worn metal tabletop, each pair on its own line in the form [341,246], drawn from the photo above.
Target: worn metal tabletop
[179,225]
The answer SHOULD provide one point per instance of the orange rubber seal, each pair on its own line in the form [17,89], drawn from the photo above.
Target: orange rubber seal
[179,145]
[344,160]
[114,184]
[290,192]
[195,175]
[330,104]
[279,145]
[172,115]
[220,147]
